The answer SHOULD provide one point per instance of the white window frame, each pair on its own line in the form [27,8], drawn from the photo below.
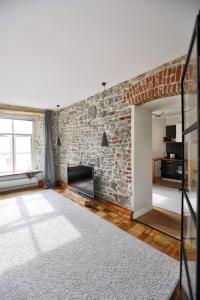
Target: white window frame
[13,151]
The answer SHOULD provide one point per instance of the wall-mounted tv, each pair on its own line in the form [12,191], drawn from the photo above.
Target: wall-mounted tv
[81,178]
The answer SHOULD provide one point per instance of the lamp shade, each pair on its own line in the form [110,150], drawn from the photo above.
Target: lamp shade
[104,141]
[58,142]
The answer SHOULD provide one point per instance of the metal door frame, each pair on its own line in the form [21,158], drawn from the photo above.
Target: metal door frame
[195,126]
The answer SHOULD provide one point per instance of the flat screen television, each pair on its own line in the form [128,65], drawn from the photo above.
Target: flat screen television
[81,178]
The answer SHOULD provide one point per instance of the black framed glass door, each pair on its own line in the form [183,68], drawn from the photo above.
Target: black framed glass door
[190,242]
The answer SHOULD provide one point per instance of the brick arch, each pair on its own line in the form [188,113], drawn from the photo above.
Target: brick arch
[161,82]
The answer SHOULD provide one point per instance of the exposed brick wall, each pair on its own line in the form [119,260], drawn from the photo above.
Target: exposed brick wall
[81,126]
[161,82]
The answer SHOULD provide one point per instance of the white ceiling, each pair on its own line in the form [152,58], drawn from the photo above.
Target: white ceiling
[59,51]
[169,106]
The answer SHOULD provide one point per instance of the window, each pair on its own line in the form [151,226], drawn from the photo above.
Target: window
[15,145]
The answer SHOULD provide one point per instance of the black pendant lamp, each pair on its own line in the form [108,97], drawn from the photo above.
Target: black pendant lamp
[104,141]
[58,141]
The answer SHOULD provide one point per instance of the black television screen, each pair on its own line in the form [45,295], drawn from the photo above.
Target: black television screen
[81,178]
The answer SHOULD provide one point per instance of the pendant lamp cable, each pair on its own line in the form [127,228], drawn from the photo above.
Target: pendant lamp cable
[104,141]
[104,89]
[57,120]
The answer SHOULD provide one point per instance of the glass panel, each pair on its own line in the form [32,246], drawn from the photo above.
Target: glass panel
[184,283]
[5,154]
[190,90]
[23,127]
[23,162]
[189,243]
[22,144]
[5,126]
[190,160]
[23,153]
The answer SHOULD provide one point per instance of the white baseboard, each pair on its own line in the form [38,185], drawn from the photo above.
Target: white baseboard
[142,211]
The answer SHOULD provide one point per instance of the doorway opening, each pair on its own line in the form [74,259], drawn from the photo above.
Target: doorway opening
[164,144]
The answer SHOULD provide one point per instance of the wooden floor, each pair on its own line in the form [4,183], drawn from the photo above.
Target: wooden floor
[154,238]
[163,220]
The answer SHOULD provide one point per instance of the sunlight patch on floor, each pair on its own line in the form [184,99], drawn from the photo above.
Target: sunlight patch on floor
[38,206]
[29,227]
[9,212]
[16,248]
[166,198]
[158,198]
[53,233]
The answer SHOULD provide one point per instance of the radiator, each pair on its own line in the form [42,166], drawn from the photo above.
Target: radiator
[14,184]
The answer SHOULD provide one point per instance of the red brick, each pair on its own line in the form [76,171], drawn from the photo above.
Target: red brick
[127,173]
[125,117]
[161,83]
[115,138]
[178,73]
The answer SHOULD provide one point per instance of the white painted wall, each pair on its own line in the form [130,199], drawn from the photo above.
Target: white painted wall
[62,50]
[173,120]
[141,132]
[158,146]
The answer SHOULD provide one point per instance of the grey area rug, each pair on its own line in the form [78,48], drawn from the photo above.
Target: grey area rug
[51,248]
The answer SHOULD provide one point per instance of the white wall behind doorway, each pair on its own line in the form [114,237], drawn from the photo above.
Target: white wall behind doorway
[141,132]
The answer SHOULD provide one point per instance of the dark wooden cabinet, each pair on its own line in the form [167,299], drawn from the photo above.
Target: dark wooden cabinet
[171,169]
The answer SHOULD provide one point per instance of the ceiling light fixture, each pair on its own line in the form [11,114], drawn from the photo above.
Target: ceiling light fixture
[158,114]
